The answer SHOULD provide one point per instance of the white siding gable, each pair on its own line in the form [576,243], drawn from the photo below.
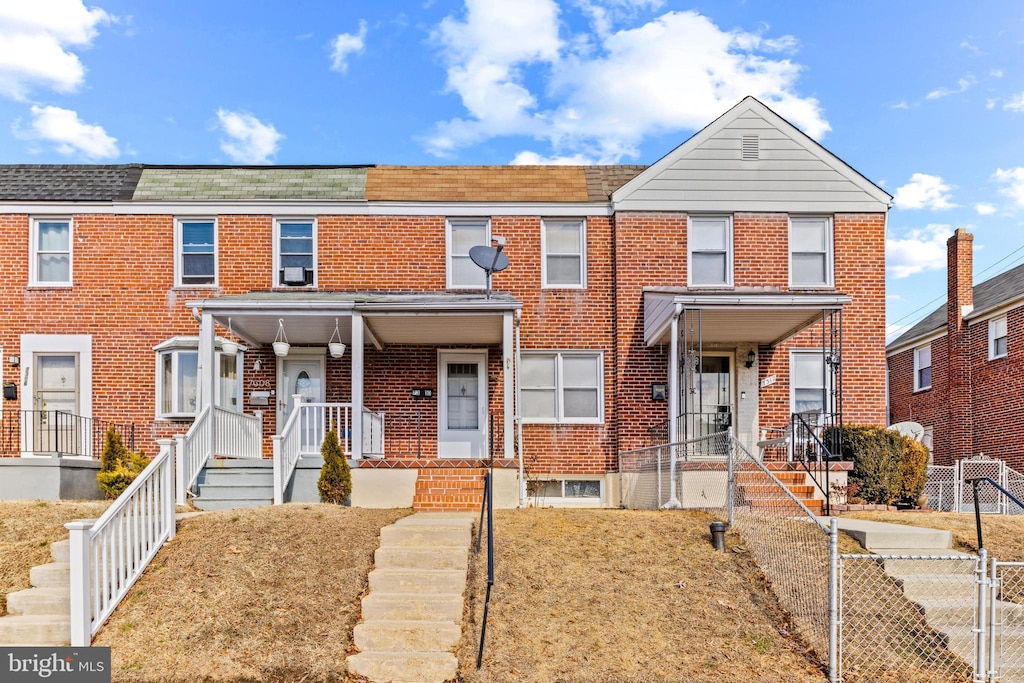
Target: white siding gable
[714,171]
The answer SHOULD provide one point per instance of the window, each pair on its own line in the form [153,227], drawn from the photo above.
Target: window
[562,387]
[51,251]
[178,379]
[563,243]
[710,251]
[922,368]
[997,338]
[810,382]
[810,252]
[295,253]
[463,235]
[565,491]
[928,440]
[196,250]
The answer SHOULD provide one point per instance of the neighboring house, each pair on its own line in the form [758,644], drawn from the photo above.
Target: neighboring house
[723,285]
[960,371]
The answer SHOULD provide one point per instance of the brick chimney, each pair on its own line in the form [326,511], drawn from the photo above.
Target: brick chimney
[959,302]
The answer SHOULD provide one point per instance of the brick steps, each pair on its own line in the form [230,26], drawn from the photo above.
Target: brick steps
[759,491]
[455,490]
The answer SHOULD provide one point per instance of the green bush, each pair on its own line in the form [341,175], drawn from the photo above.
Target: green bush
[887,467]
[335,483]
[118,465]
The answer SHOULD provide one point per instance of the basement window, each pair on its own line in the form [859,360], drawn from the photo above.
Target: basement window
[565,491]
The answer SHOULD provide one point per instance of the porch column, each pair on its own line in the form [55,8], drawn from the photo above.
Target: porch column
[508,373]
[357,385]
[673,378]
[207,368]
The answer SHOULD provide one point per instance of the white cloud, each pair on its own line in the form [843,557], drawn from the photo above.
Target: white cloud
[604,14]
[924,192]
[527,158]
[69,135]
[37,41]
[899,105]
[347,44]
[996,73]
[607,90]
[250,141]
[922,249]
[1012,180]
[962,85]
[984,209]
[1015,103]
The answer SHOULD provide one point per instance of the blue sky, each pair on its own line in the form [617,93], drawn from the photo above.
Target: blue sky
[926,98]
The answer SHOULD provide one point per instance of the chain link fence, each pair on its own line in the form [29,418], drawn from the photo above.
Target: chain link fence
[1007,639]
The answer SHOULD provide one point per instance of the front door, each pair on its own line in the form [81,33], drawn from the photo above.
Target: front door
[707,401]
[462,404]
[302,377]
[56,403]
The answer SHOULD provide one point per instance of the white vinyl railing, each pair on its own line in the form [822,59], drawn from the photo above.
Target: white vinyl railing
[194,449]
[237,435]
[287,451]
[109,555]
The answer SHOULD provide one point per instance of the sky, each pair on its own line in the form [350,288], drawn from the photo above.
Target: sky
[923,97]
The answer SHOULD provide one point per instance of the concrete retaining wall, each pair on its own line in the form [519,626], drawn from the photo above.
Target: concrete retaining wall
[49,479]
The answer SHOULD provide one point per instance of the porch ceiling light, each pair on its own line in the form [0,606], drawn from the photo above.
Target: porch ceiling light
[281,345]
[751,358]
[337,348]
[228,346]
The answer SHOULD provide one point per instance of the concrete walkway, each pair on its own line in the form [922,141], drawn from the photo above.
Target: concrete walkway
[412,616]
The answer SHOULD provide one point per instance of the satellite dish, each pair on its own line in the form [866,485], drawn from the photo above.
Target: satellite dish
[490,259]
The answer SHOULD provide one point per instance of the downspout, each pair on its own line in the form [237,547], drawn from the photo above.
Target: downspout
[518,415]
[673,407]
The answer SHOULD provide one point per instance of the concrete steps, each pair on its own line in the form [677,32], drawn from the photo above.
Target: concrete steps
[412,614]
[40,616]
[236,483]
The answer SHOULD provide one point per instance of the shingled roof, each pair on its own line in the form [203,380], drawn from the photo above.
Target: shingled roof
[68,182]
[992,293]
[344,183]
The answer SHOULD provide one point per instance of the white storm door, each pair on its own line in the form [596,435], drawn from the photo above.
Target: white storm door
[302,377]
[462,404]
[56,399]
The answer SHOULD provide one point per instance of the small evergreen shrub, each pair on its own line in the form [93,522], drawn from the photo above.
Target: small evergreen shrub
[118,465]
[887,467]
[335,483]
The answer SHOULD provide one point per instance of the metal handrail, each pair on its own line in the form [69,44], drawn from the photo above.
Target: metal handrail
[802,428]
[487,503]
[977,506]
[58,431]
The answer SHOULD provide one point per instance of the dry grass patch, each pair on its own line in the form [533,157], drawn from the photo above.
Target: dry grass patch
[27,528]
[1001,533]
[616,595]
[261,594]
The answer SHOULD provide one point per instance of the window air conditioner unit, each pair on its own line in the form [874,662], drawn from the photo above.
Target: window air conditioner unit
[294,276]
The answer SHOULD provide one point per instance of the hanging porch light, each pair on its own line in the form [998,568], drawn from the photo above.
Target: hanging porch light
[281,345]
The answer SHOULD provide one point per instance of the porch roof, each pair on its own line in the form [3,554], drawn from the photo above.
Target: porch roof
[764,317]
[390,318]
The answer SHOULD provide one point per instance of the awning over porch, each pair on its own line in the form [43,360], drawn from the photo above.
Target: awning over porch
[403,318]
[736,316]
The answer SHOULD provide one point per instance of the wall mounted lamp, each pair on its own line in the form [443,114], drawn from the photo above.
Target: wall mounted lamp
[751,358]
[15,361]
[257,365]
[658,391]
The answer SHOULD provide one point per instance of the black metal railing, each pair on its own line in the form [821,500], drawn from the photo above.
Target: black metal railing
[56,432]
[487,505]
[977,506]
[690,425]
[815,439]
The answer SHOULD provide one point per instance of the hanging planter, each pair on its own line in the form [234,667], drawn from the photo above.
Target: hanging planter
[227,346]
[337,348]
[281,345]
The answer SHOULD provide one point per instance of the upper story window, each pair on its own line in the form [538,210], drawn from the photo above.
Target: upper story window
[563,244]
[178,379]
[922,367]
[196,252]
[562,386]
[997,338]
[51,252]
[810,251]
[294,253]
[463,235]
[710,243]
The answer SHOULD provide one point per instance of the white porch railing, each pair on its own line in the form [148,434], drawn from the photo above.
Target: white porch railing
[194,449]
[304,432]
[109,555]
[237,435]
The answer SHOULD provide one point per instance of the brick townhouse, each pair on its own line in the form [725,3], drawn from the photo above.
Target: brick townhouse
[738,279]
[959,372]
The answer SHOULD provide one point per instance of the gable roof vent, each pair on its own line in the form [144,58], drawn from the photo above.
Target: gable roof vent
[749,148]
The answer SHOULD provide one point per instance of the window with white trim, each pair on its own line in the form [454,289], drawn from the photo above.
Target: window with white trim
[51,251]
[177,386]
[196,252]
[810,382]
[922,367]
[997,338]
[710,251]
[462,235]
[562,387]
[810,251]
[563,245]
[294,252]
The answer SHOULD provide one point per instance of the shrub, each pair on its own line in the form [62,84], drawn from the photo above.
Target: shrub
[887,466]
[335,483]
[118,465]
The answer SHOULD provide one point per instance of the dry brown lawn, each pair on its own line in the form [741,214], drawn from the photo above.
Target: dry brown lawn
[616,595]
[265,594]
[27,528]
[1003,535]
